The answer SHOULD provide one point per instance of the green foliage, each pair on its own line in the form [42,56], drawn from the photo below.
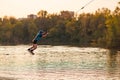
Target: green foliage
[100,29]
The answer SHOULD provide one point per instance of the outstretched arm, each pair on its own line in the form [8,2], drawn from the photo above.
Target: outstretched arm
[44,35]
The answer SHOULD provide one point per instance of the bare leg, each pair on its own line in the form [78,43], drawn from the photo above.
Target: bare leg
[34,47]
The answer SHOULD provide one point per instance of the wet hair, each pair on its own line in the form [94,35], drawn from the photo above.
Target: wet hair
[41,31]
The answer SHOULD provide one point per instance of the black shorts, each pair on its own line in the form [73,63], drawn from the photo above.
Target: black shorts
[34,42]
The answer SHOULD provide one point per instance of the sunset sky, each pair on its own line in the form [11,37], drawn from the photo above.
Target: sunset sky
[21,8]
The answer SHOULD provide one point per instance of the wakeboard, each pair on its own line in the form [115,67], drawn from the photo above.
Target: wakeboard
[31,52]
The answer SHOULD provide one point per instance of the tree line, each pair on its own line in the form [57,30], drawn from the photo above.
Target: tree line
[100,29]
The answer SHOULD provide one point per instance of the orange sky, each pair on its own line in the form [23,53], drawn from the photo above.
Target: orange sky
[21,8]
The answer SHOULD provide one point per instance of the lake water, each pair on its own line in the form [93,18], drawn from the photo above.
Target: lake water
[58,63]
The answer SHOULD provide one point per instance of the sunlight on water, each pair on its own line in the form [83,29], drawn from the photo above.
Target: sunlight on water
[58,63]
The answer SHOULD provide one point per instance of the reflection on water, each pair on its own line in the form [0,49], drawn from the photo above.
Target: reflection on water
[114,64]
[59,63]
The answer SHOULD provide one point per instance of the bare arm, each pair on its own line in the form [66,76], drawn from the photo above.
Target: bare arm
[44,35]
